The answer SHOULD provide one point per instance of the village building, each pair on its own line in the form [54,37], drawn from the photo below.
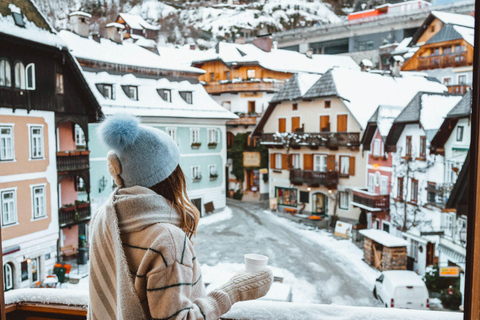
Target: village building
[313,127]
[136,28]
[163,95]
[243,78]
[420,186]
[445,51]
[45,108]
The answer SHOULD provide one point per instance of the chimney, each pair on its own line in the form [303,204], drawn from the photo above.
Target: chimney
[263,42]
[275,45]
[115,31]
[95,36]
[79,23]
[396,63]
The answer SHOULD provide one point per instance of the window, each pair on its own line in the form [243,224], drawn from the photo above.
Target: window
[227,75]
[212,136]
[172,132]
[59,86]
[344,165]
[327,104]
[343,202]
[9,207]
[6,143]
[324,123]
[371,183]
[376,148]
[39,202]
[462,230]
[132,92]
[187,96]
[81,186]
[462,79]
[342,120]
[286,196]
[36,142]
[212,170]
[451,175]
[408,146]
[459,133]
[295,106]
[447,50]
[457,49]
[437,51]
[365,45]
[278,161]
[35,269]
[449,224]
[212,76]
[196,173]
[5,74]
[195,136]
[30,75]
[24,269]
[19,75]
[296,161]
[8,272]
[414,191]
[386,226]
[165,94]
[400,188]
[18,18]
[320,162]
[431,192]
[384,185]
[79,136]
[250,73]
[423,147]
[414,249]
[447,81]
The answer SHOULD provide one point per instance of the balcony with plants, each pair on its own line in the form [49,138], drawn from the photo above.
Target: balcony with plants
[296,140]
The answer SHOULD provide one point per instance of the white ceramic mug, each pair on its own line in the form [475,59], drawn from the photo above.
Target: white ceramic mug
[255,262]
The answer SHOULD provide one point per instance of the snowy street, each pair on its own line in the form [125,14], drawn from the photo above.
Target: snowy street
[320,268]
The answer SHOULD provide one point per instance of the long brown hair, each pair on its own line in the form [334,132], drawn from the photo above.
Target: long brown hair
[174,189]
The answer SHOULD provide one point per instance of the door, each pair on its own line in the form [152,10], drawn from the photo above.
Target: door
[319,204]
[8,274]
[295,123]
[251,107]
[198,203]
[324,123]
[282,125]
[35,267]
[342,123]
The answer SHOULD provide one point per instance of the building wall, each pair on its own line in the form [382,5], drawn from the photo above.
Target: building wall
[66,136]
[68,194]
[239,101]
[382,164]
[431,30]
[220,69]
[452,73]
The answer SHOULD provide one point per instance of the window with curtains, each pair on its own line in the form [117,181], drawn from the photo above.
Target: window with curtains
[36,142]
[6,143]
[400,188]
[320,162]
[423,147]
[39,202]
[9,207]
[344,165]
[343,201]
[408,146]
[295,161]
[414,191]
[19,75]
[5,73]
[278,161]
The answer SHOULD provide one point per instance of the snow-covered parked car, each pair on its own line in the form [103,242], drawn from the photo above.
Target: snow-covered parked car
[401,289]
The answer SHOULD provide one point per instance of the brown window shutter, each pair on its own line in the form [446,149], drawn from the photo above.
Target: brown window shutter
[290,161]
[295,123]
[284,161]
[342,123]
[331,162]
[324,123]
[352,166]
[308,162]
[272,161]
[282,125]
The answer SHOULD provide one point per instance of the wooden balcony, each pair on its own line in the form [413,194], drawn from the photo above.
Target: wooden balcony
[243,86]
[331,140]
[370,201]
[314,178]
[14,98]
[459,88]
[71,215]
[442,61]
[72,160]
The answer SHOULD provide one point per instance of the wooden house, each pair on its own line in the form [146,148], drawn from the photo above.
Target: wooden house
[384,251]
[136,27]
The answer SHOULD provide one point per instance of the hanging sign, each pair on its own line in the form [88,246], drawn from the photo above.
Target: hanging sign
[450,272]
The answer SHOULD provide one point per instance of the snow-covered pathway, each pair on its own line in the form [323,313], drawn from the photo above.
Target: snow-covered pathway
[325,274]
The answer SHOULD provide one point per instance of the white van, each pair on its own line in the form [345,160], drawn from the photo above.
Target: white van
[401,289]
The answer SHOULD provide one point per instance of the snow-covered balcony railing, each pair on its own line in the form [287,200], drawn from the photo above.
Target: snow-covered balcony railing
[72,304]
[314,178]
[370,201]
[244,121]
[73,160]
[244,85]
[14,98]
[73,214]
[331,140]
[459,88]
[442,61]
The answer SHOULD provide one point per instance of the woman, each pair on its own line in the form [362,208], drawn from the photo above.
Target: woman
[142,263]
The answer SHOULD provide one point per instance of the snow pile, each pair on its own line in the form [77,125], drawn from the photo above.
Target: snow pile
[305,81]
[435,108]
[464,20]
[384,238]
[466,33]
[225,214]
[69,297]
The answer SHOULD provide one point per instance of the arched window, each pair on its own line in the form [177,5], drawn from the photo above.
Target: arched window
[19,75]
[8,274]
[5,73]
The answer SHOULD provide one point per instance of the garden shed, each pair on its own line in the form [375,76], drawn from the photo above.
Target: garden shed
[384,251]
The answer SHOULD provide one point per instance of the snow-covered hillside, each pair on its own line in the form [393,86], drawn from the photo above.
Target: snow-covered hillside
[186,23]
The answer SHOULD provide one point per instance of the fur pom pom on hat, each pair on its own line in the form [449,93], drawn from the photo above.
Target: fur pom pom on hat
[146,155]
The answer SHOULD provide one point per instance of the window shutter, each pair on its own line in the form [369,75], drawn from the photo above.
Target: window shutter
[342,123]
[308,161]
[284,161]
[352,166]
[330,162]
[30,73]
[272,161]
[282,125]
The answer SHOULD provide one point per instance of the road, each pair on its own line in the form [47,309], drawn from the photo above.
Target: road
[250,230]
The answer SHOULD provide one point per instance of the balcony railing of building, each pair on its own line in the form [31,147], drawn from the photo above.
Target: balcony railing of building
[437,194]
[14,98]
[314,178]
[241,85]
[459,88]
[73,214]
[370,201]
[331,140]
[72,304]
[73,160]
[442,61]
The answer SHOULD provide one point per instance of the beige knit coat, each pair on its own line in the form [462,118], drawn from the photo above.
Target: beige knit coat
[143,266]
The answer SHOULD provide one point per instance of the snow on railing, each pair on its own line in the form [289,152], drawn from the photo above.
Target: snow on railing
[251,310]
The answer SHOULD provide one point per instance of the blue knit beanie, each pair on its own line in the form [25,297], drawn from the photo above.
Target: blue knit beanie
[147,156]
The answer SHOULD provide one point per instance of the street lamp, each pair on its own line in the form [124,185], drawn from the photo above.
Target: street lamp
[102,184]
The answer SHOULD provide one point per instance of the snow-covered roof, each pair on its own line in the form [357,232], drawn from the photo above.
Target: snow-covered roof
[434,108]
[384,238]
[402,46]
[466,33]
[277,59]
[80,13]
[150,103]
[115,24]
[385,116]
[123,54]
[455,18]
[403,278]
[30,31]
[137,22]
[451,32]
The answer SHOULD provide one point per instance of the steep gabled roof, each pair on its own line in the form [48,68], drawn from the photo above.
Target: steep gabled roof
[458,198]
[382,119]
[296,87]
[324,87]
[451,32]
[137,22]
[463,108]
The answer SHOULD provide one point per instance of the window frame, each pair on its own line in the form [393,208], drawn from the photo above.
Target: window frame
[170,130]
[292,196]
[278,161]
[14,214]
[460,129]
[44,201]
[30,68]
[5,73]
[250,73]
[462,75]
[210,166]
[384,181]
[371,182]
[133,92]
[422,150]
[400,187]
[60,84]
[449,218]
[408,146]
[31,136]
[340,164]
[376,149]
[327,104]
[414,190]
[214,132]
[320,164]
[194,138]
[79,136]
[343,195]
[20,74]
[10,126]
[296,163]
[198,176]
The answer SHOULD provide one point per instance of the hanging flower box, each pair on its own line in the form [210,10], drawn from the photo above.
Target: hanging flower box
[196,145]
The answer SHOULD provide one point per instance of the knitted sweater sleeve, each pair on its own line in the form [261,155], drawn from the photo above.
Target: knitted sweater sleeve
[170,292]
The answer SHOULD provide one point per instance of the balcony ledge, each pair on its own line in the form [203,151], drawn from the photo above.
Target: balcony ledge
[361,206]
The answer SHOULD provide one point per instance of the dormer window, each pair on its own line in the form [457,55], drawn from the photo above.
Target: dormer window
[131,92]
[187,96]
[166,94]
[107,90]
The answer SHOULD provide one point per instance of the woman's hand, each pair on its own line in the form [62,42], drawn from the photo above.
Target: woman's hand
[248,285]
